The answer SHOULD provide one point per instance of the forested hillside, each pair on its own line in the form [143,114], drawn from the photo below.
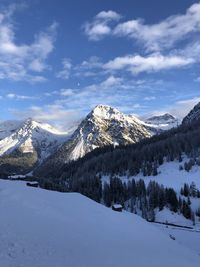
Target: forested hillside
[85,174]
[130,160]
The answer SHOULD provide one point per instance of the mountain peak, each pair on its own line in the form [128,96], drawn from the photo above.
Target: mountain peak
[105,111]
[165,116]
[162,119]
[103,126]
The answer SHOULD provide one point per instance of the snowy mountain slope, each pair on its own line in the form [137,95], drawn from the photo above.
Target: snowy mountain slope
[103,126]
[9,127]
[40,228]
[162,122]
[30,138]
[106,126]
[193,115]
[32,142]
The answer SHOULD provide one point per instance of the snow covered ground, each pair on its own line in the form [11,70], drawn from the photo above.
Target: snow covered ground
[169,216]
[170,176]
[185,237]
[40,228]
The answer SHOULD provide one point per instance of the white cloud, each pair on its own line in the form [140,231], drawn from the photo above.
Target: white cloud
[65,72]
[100,26]
[153,62]
[66,92]
[165,33]
[57,115]
[112,90]
[110,82]
[108,15]
[89,68]
[181,108]
[19,97]
[37,65]
[22,61]
[72,104]
[154,37]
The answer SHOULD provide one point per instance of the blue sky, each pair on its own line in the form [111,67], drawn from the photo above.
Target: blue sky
[58,59]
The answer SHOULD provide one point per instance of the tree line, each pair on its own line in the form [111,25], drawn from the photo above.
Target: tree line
[145,156]
[134,196]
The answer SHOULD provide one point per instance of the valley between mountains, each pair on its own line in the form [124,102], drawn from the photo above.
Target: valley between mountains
[150,168]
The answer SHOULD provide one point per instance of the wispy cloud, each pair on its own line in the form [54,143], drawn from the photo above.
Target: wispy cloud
[149,98]
[154,37]
[20,97]
[66,92]
[151,63]
[100,25]
[71,104]
[158,40]
[181,108]
[65,72]
[89,68]
[165,33]
[113,90]
[57,115]
[135,63]
[23,61]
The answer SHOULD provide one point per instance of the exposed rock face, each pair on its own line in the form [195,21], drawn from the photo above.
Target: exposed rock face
[193,115]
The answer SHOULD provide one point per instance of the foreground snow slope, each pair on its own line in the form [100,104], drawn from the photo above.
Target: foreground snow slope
[40,228]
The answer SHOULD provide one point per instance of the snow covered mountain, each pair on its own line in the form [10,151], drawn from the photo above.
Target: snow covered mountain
[103,238]
[25,144]
[193,115]
[163,122]
[106,126]
[103,126]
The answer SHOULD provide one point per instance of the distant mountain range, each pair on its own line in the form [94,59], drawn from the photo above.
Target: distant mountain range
[164,122]
[30,145]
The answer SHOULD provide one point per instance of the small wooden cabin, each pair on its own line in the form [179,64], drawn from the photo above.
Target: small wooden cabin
[117,207]
[33,184]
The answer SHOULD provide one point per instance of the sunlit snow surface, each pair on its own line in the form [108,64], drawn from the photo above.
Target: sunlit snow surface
[40,228]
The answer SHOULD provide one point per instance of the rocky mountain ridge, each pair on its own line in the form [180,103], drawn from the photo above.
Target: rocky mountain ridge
[29,144]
